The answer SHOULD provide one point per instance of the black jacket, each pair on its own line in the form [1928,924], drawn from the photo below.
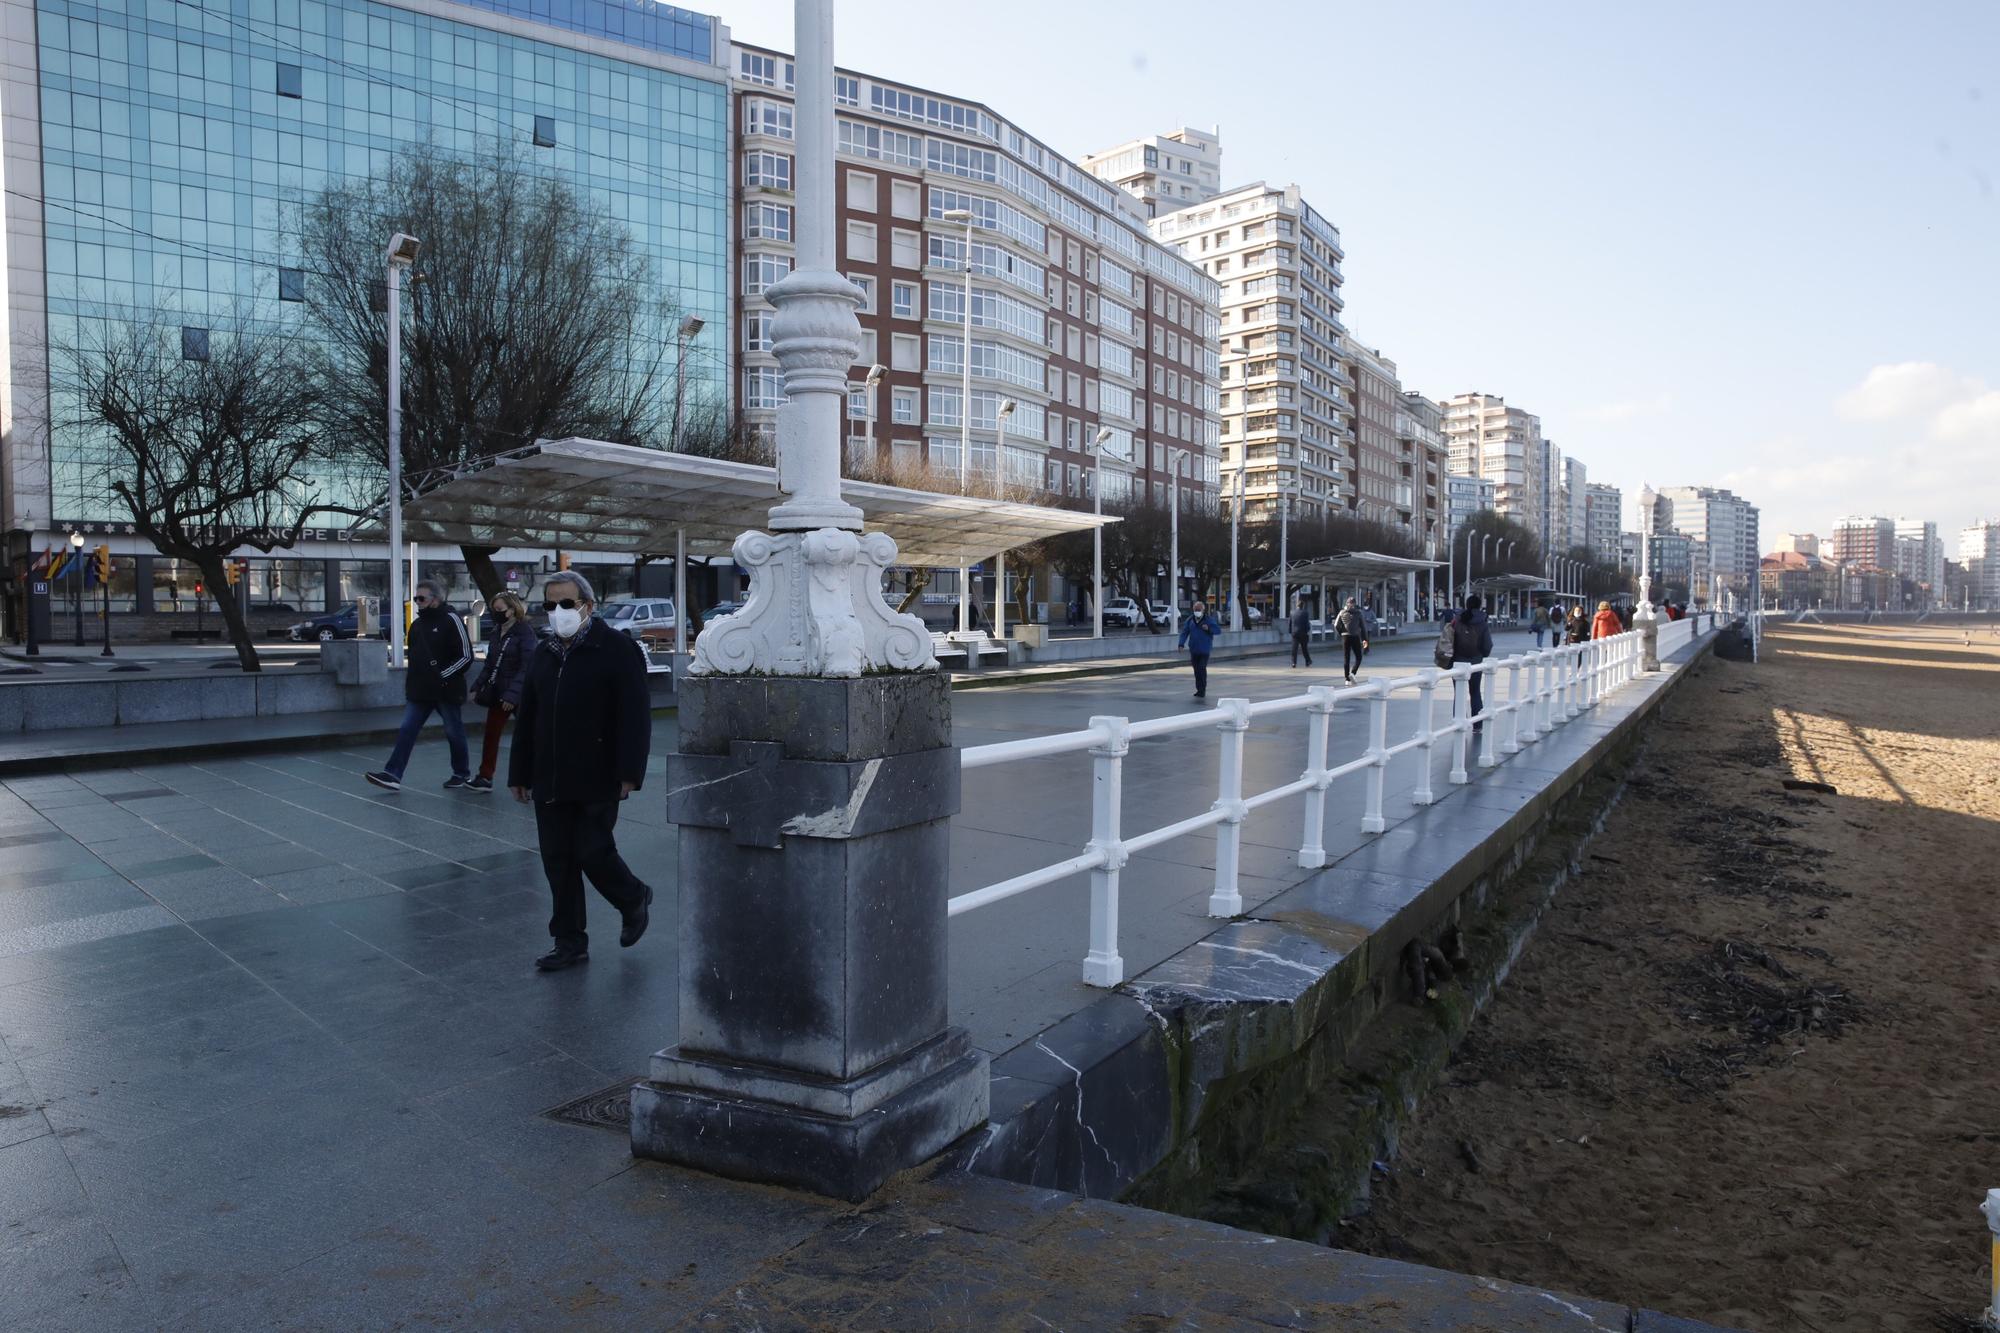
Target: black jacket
[1350,623]
[585,721]
[1472,637]
[440,657]
[1302,623]
[506,666]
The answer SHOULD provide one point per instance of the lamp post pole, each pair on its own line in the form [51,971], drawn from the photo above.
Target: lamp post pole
[682,336]
[999,493]
[872,390]
[1097,443]
[1235,582]
[1174,532]
[75,558]
[402,253]
[1284,547]
[964,216]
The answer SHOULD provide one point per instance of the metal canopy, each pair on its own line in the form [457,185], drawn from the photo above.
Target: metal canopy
[1510,582]
[1351,566]
[589,495]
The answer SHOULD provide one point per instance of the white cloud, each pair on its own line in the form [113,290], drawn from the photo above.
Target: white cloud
[1630,409]
[1907,391]
[1975,421]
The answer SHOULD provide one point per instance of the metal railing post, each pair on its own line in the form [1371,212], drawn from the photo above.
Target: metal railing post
[1102,966]
[1312,847]
[1490,719]
[1573,698]
[1512,744]
[1427,679]
[1531,733]
[1378,751]
[1227,900]
[1461,722]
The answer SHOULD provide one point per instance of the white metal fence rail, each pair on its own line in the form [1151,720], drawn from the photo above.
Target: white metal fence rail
[1543,689]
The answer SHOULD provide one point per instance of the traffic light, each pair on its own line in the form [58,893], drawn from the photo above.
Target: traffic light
[103,554]
[232,572]
[197,589]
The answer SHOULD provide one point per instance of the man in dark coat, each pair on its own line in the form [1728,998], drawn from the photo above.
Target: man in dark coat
[1472,642]
[1302,628]
[581,737]
[440,655]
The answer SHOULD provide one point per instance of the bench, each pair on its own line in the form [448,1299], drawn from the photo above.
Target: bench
[967,650]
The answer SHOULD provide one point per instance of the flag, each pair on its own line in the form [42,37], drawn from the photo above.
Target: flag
[41,566]
[56,563]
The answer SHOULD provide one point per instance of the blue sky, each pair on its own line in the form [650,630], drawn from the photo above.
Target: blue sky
[1754,245]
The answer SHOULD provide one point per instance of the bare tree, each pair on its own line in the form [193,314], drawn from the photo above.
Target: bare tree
[532,315]
[212,436]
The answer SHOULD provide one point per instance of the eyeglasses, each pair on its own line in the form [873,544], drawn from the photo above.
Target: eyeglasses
[567,604]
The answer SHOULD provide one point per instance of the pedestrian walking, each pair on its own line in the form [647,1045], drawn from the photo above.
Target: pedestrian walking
[1352,627]
[1578,628]
[586,726]
[498,689]
[1302,628]
[1605,623]
[1472,642]
[1541,622]
[1198,633]
[440,655]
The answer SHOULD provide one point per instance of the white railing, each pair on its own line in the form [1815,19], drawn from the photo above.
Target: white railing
[1543,690]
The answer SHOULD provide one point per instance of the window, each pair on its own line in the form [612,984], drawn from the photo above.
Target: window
[291,82]
[759,69]
[903,407]
[905,351]
[763,386]
[773,171]
[884,145]
[861,191]
[761,271]
[761,115]
[545,131]
[757,331]
[194,344]
[903,300]
[905,199]
[867,286]
[767,222]
[291,284]
[905,249]
[846,91]
[857,402]
[861,242]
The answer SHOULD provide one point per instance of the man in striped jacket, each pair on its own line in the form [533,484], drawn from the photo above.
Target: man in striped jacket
[440,654]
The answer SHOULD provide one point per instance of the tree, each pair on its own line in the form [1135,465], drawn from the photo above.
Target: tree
[532,315]
[212,436]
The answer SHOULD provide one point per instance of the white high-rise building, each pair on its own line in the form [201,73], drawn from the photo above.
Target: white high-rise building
[1920,556]
[1286,401]
[1576,505]
[1722,519]
[1602,512]
[1163,172]
[1500,444]
[1979,552]
[1466,496]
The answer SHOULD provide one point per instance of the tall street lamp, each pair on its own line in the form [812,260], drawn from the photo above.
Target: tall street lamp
[869,390]
[964,217]
[1097,443]
[1284,547]
[682,337]
[999,493]
[1174,531]
[75,555]
[1235,582]
[403,249]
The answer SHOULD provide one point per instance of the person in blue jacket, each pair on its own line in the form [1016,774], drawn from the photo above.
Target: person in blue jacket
[1198,633]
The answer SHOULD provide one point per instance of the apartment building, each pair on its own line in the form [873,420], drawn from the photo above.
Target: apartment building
[1979,552]
[1420,443]
[1381,481]
[1603,509]
[1576,505]
[1501,444]
[1723,521]
[1805,543]
[1920,556]
[1867,542]
[1286,400]
[1466,496]
[1079,318]
[1163,172]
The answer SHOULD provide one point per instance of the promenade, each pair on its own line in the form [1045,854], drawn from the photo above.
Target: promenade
[271,1053]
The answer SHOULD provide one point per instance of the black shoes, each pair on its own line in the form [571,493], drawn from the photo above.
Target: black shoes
[636,921]
[483,786]
[385,779]
[454,782]
[555,960]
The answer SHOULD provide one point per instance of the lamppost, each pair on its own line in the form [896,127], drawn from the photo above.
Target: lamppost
[1097,443]
[403,249]
[964,217]
[868,387]
[999,493]
[1465,576]
[1284,547]
[1174,531]
[1509,559]
[76,554]
[1235,582]
[682,336]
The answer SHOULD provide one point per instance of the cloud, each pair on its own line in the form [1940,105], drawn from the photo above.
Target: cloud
[1630,409]
[1907,391]
[1974,421]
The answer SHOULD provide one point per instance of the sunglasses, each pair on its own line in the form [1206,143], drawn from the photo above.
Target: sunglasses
[567,604]
[421,600]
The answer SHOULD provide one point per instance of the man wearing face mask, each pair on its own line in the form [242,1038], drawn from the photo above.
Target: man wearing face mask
[581,736]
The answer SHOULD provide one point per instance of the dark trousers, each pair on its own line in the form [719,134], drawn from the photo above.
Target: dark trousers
[1350,654]
[1474,683]
[1200,662]
[1301,643]
[489,750]
[414,716]
[576,841]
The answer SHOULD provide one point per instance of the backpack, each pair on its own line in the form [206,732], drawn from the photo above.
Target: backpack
[1447,644]
[1465,640]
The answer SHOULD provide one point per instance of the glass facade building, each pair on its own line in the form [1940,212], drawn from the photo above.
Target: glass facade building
[161,161]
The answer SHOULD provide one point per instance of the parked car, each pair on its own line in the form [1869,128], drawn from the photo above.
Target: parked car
[650,620]
[1122,611]
[334,625]
[722,609]
[1162,614]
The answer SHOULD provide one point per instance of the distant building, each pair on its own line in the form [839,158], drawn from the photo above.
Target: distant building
[1420,436]
[1867,542]
[1503,445]
[1603,506]
[1920,557]
[1723,520]
[1793,580]
[1576,505]
[1165,171]
[1466,496]
[1805,543]
[1979,552]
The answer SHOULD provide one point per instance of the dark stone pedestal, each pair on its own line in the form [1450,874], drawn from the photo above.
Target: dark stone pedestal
[814,849]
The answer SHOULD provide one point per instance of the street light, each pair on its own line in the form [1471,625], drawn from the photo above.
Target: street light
[964,216]
[1097,443]
[1236,582]
[1174,531]
[1284,546]
[403,249]
[875,373]
[999,493]
[76,554]
[682,336]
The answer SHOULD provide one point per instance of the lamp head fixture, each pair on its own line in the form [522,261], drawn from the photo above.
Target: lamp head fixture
[691,326]
[403,249]
[960,215]
[1006,409]
[875,374]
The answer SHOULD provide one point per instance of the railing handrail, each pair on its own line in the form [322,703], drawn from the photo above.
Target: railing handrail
[1561,682]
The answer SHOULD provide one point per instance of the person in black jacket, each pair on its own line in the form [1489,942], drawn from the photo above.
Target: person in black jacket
[440,655]
[1472,641]
[584,728]
[498,690]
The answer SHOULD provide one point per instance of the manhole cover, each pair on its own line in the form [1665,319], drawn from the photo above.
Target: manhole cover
[607,1108]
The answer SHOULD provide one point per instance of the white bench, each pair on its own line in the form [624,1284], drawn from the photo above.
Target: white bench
[966,650]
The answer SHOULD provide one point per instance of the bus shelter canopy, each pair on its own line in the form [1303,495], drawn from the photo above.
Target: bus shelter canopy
[1346,567]
[587,495]
[1509,583]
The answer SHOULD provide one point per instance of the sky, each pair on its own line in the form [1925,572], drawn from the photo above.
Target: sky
[1746,245]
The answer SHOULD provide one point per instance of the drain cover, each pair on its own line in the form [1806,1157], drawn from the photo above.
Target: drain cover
[607,1108]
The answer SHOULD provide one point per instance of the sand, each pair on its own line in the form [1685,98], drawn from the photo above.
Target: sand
[1749,1068]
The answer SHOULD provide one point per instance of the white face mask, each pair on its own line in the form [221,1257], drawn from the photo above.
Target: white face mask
[565,622]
